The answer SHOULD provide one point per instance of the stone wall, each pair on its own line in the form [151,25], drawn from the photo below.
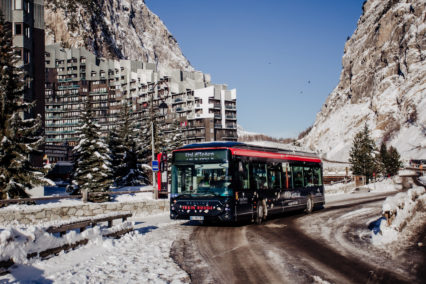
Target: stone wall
[34,214]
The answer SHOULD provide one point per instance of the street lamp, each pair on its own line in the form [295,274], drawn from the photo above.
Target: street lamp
[163,110]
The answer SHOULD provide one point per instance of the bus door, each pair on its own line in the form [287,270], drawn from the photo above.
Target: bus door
[275,185]
[243,194]
[260,183]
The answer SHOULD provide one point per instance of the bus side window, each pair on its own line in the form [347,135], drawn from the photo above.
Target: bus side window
[287,177]
[308,176]
[274,176]
[259,180]
[297,176]
[317,176]
[244,175]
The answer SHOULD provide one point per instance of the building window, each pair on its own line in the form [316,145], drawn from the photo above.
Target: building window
[26,6]
[18,29]
[27,32]
[27,56]
[28,82]
[18,53]
[18,4]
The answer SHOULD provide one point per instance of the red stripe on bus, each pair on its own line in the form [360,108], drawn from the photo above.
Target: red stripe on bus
[197,149]
[260,154]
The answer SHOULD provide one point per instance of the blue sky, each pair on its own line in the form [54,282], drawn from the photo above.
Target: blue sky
[283,57]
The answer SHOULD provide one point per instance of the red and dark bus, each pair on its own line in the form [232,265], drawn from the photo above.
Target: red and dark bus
[233,181]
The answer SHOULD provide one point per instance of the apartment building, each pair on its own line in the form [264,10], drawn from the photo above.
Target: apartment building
[26,18]
[205,112]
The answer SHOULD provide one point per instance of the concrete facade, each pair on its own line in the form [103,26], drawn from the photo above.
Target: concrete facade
[26,18]
[41,214]
[205,112]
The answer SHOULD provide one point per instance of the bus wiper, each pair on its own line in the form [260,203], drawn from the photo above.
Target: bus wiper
[207,193]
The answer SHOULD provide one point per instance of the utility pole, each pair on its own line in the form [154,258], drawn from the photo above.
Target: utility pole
[154,178]
[163,109]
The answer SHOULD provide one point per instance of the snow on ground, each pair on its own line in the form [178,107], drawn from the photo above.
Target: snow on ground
[142,256]
[402,208]
[388,184]
[138,257]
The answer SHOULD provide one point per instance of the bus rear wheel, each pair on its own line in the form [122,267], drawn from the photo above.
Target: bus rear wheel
[309,204]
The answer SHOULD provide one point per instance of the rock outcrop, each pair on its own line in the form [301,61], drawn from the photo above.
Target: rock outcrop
[118,29]
[383,83]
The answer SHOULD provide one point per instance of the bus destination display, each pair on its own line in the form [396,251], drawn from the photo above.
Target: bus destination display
[201,156]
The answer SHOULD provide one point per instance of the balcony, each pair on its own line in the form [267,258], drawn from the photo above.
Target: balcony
[230,107]
[231,117]
[65,80]
[54,110]
[69,87]
[195,125]
[61,124]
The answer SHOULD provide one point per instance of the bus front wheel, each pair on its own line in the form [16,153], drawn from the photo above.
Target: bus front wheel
[309,204]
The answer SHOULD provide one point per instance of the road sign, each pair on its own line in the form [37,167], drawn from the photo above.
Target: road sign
[155,166]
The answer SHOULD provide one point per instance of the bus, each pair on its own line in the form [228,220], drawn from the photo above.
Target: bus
[234,181]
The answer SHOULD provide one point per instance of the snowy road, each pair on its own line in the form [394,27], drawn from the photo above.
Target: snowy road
[328,245]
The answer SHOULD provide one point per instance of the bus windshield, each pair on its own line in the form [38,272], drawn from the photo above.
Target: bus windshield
[201,180]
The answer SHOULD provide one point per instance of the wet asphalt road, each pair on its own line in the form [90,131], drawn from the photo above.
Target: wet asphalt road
[279,251]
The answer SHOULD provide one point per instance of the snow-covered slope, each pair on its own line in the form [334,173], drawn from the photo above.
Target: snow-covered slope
[121,29]
[383,83]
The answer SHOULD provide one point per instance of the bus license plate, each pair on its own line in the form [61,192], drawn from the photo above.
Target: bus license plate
[196,218]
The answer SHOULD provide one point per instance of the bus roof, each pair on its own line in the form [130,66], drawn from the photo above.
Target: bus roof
[252,149]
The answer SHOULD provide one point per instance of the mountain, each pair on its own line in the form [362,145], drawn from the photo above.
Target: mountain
[118,29]
[246,136]
[382,83]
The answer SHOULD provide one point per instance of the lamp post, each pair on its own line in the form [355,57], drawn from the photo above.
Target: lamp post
[163,110]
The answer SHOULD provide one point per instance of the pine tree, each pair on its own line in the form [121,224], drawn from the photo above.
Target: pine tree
[92,168]
[115,145]
[361,155]
[389,160]
[167,137]
[382,159]
[172,137]
[20,137]
[127,172]
[393,162]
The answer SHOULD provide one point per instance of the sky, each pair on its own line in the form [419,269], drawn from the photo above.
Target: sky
[283,57]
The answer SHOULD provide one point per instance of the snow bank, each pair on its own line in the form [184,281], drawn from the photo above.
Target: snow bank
[380,186]
[141,256]
[400,209]
[17,242]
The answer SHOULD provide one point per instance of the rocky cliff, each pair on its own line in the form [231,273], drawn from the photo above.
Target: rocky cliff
[382,83]
[120,29]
